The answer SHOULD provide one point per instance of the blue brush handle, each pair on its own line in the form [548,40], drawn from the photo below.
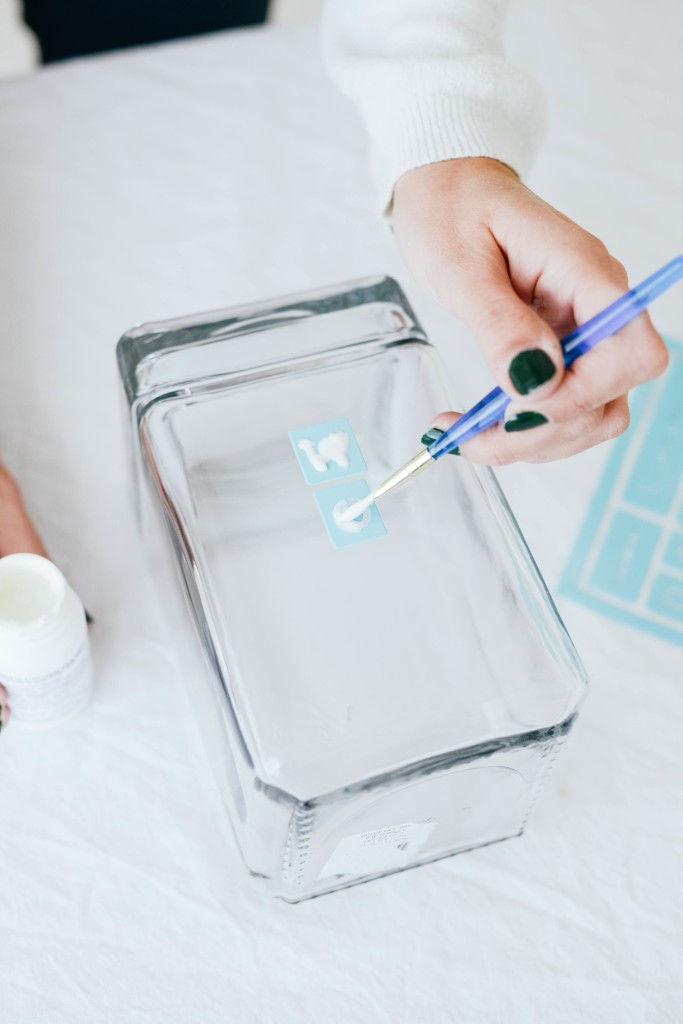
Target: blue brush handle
[492,407]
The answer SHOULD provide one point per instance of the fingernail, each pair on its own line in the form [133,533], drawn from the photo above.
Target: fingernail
[529,369]
[524,421]
[88,617]
[432,435]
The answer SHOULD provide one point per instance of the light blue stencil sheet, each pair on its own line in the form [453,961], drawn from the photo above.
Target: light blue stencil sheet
[315,434]
[351,490]
[628,558]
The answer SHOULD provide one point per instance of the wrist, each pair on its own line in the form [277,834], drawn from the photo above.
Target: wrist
[447,174]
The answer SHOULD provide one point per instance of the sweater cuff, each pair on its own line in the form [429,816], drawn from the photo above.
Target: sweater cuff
[430,129]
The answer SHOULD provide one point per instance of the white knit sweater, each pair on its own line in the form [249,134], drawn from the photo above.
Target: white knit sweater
[431,83]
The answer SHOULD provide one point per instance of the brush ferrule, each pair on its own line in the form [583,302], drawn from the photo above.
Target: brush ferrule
[406,472]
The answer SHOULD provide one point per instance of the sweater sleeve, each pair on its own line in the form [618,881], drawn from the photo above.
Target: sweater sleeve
[431,83]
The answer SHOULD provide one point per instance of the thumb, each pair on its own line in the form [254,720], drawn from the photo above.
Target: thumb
[521,349]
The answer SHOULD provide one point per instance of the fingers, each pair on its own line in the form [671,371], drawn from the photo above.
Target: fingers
[521,349]
[537,440]
[17,532]
[4,707]
[634,355]
[522,275]
[587,404]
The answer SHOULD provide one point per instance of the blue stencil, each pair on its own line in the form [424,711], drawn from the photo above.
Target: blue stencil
[314,434]
[673,555]
[628,559]
[666,597]
[625,556]
[353,490]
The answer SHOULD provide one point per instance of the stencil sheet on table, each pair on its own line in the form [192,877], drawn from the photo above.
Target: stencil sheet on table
[628,559]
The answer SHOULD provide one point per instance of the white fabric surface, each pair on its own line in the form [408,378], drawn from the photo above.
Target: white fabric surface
[202,174]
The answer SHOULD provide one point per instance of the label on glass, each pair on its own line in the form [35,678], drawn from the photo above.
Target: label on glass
[380,849]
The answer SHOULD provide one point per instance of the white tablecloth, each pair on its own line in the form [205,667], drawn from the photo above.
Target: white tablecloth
[194,176]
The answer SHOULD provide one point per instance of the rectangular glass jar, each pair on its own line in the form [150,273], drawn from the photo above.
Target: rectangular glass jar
[369,708]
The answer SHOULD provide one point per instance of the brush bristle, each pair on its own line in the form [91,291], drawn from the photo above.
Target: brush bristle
[355,510]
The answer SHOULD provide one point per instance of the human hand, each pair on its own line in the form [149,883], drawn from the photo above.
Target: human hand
[522,275]
[17,534]
[4,707]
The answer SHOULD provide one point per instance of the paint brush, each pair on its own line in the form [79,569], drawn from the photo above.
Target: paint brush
[491,409]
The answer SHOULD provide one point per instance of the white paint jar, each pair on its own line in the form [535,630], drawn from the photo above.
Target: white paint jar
[44,647]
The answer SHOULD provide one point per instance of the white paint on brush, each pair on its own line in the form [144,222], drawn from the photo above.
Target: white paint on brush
[350,524]
[345,516]
[333,448]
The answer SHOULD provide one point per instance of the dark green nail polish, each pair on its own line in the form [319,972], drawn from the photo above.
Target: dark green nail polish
[529,369]
[524,421]
[432,435]
[88,617]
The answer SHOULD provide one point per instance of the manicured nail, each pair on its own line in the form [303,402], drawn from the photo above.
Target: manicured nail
[528,370]
[524,421]
[432,435]
[88,617]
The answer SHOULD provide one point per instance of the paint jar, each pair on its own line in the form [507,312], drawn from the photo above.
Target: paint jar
[368,706]
[44,649]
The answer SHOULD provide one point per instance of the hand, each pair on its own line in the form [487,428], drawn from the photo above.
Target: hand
[17,534]
[522,275]
[4,707]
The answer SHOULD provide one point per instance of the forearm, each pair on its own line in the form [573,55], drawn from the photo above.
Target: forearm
[431,83]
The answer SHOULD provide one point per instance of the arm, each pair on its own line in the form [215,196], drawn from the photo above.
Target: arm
[431,83]
[450,124]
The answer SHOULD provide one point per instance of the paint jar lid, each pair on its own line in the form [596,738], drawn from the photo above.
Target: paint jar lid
[32,592]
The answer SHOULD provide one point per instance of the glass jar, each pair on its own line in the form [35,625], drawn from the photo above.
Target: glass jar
[366,708]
